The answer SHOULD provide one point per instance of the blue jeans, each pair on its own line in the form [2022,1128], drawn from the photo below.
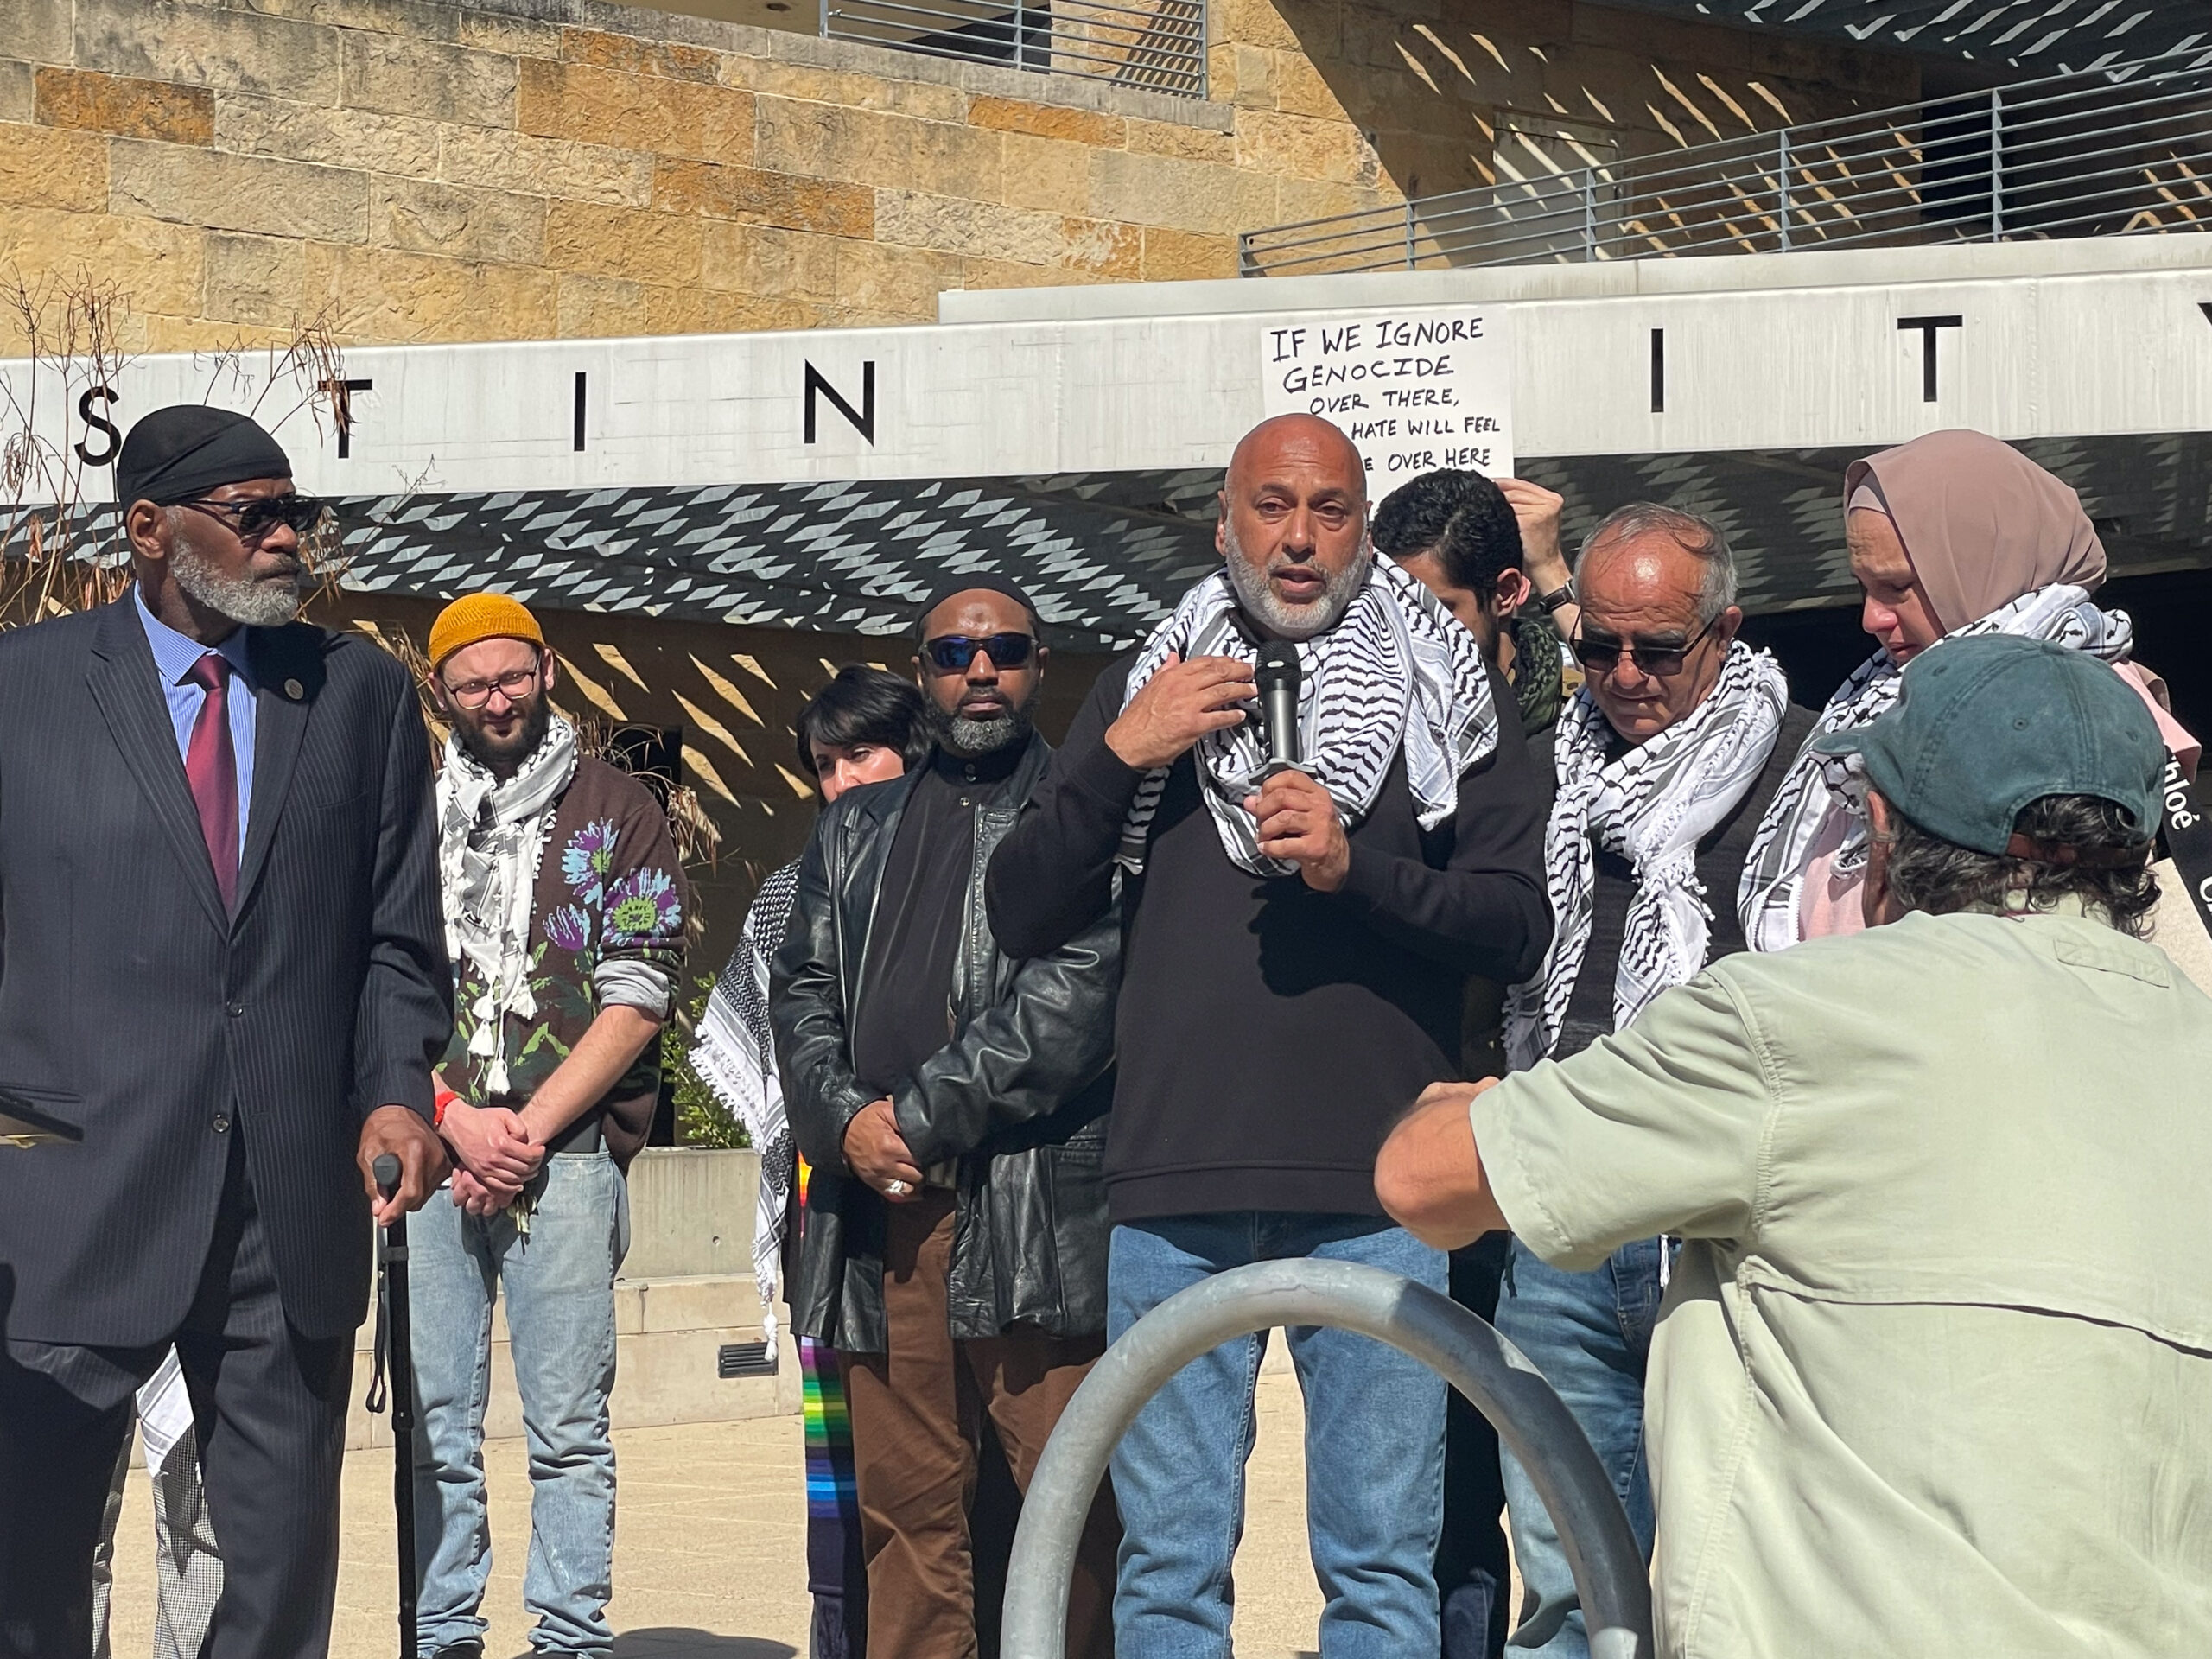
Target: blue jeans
[1590,1334]
[559,1285]
[1374,1449]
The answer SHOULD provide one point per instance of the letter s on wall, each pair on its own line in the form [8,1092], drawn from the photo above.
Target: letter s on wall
[97,423]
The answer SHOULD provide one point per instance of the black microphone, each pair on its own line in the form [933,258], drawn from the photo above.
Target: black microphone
[1278,678]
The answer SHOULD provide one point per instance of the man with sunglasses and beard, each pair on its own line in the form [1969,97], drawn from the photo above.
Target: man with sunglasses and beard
[1664,762]
[1296,945]
[951,1102]
[223,964]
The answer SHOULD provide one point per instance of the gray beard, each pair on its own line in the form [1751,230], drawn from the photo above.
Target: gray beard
[257,605]
[971,740]
[1260,601]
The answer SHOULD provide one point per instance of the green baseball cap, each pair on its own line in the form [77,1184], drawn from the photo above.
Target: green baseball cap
[1984,725]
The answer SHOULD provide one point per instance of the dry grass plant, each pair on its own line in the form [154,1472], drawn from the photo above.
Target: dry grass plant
[50,562]
[52,565]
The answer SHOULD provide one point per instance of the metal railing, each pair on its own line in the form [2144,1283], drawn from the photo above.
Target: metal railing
[2116,151]
[1530,1418]
[1160,45]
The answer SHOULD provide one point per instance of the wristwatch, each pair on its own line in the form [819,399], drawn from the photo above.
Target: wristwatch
[1562,594]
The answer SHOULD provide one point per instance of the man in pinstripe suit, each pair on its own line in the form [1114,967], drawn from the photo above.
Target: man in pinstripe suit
[221,956]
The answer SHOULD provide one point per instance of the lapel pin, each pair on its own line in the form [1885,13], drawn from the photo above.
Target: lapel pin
[295,690]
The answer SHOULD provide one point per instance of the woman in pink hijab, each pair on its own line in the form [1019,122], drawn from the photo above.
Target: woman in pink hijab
[1952,534]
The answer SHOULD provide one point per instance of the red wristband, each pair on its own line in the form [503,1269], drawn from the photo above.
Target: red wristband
[445,1098]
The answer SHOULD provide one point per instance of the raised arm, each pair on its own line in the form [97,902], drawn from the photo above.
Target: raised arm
[1053,875]
[1537,510]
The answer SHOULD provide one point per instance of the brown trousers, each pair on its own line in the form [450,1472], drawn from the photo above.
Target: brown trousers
[918,1420]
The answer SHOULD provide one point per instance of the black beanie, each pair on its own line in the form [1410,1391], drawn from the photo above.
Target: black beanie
[970,581]
[187,450]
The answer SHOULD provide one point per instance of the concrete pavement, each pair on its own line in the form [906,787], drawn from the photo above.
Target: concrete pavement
[710,1541]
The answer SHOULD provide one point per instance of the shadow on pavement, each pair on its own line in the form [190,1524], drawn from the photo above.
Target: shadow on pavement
[675,1643]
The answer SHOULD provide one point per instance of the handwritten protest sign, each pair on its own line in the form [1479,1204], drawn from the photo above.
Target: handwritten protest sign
[1412,389]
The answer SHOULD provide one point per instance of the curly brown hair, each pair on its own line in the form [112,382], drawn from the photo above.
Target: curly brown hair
[1929,874]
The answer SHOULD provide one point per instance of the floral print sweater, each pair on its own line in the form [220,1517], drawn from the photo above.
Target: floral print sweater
[610,890]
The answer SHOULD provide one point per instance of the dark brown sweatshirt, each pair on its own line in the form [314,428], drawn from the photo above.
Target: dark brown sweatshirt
[609,888]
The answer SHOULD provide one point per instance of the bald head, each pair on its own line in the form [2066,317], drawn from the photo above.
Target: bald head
[1299,440]
[1656,587]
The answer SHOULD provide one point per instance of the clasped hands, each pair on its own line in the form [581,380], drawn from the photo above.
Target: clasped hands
[1298,819]
[877,1152]
[495,1154]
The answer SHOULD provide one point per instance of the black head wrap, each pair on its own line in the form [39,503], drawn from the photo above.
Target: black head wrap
[971,581]
[187,450]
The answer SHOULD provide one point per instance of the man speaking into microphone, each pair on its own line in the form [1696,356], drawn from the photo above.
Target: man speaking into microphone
[1296,939]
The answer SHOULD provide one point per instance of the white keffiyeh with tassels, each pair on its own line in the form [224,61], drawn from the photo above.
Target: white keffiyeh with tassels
[1650,806]
[1395,673]
[491,837]
[735,1056]
[1819,789]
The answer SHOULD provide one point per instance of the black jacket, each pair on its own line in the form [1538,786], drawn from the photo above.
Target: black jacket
[1018,1097]
[132,1005]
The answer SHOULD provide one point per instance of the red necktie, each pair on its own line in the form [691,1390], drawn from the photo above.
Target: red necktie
[211,767]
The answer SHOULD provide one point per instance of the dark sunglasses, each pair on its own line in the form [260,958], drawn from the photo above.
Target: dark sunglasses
[1604,656]
[949,653]
[251,519]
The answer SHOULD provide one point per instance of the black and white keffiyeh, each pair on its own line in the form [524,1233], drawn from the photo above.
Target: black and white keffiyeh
[491,836]
[1650,806]
[1822,792]
[1396,671]
[735,1056]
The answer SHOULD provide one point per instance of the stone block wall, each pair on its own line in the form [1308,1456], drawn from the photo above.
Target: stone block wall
[1430,84]
[411,171]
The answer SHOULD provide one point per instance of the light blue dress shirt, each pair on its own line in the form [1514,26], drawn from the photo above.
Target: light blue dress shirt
[174,655]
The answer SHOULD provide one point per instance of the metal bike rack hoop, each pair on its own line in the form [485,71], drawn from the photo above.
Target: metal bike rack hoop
[1531,1420]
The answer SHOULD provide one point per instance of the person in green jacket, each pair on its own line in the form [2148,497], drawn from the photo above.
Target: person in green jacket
[1934,1372]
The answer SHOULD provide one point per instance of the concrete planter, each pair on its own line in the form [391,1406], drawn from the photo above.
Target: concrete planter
[686,1289]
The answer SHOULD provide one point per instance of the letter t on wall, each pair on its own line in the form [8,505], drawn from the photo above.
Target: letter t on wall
[1928,328]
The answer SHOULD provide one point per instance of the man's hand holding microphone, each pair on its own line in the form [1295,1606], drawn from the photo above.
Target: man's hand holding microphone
[1297,818]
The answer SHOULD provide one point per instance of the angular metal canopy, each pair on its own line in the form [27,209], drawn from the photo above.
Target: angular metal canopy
[2042,36]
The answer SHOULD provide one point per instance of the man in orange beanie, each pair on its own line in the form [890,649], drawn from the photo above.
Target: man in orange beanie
[564,916]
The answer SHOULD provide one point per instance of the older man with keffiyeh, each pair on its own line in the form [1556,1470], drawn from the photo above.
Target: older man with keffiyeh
[1664,761]
[1296,946]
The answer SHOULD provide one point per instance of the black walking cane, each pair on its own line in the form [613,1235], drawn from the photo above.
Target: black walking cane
[395,1345]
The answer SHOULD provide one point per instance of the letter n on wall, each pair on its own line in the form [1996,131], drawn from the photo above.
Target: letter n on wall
[862,419]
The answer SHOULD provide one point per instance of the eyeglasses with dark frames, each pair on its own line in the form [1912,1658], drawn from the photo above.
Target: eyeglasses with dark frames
[513,685]
[1604,656]
[950,653]
[254,517]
